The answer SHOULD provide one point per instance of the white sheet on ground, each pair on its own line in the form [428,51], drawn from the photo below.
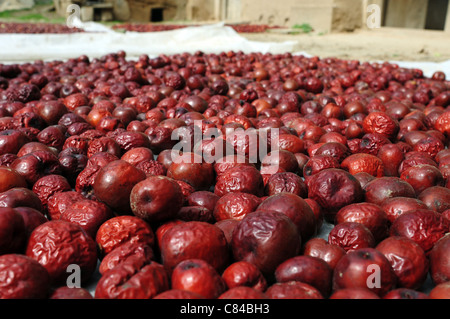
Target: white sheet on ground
[214,38]
[100,40]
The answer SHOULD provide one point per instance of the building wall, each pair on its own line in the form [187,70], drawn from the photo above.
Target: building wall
[289,12]
[347,15]
[174,9]
[200,10]
[406,13]
[322,15]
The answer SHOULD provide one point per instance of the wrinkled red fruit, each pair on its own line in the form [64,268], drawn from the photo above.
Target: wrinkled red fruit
[156,198]
[9,178]
[436,198]
[22,278]
[114,182]
[286,182]
[121,229]
[31,218]
[235,206]
[242,293]
[311,270]
[440,261]
[58,244]
[441,291]
[204,199]
[266,239]
[243,273]
[405,293]
[70,293]
[320,248]
[197,276]
[134,279]
[59,202]
[397,206]
[333,189]
[351,236]
[370,215]
[178,294]
[421,177]
[408,261]
[20,197]
[383,188]
[364,268]
[243,178]
[89,214]
[293,290]
[124,252]
[12,231]
[354,293]
[47,186]
[194,240]
[296,208]
[192,169]
[423,226]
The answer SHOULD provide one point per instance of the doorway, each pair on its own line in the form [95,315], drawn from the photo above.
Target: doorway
[436,14]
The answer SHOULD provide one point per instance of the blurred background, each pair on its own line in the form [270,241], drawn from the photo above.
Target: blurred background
[322,15]
[413,30]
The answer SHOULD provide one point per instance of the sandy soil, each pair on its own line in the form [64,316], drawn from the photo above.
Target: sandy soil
[369,45]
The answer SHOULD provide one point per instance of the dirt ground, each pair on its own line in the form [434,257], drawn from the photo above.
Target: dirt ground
[371,45]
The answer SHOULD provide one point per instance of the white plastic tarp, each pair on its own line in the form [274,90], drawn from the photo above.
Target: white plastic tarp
[99,40]
[209,39]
